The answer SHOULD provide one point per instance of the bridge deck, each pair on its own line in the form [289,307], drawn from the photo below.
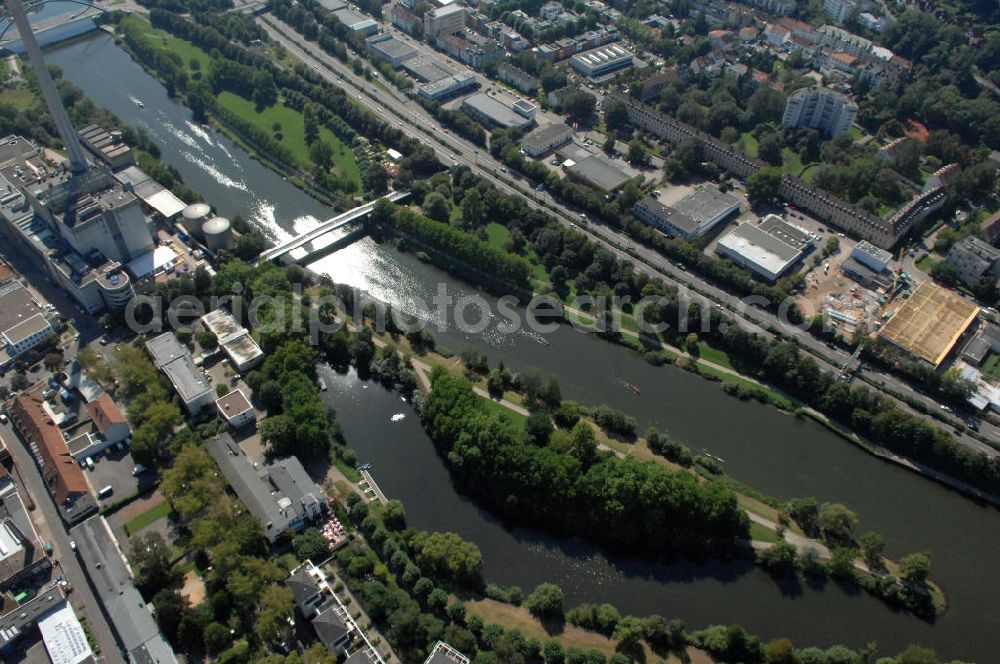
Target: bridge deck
[327,226]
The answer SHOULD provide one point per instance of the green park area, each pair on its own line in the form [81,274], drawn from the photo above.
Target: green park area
[284,124]
[288,127]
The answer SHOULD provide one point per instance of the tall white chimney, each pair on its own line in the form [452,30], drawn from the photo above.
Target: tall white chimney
[77,161]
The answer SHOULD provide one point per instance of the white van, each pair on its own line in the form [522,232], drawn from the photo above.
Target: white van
[90,463]
[105,492]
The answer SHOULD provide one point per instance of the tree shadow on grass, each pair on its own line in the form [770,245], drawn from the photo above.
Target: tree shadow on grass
[553,625]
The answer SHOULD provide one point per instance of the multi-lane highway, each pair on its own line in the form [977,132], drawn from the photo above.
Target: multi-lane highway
[394,105]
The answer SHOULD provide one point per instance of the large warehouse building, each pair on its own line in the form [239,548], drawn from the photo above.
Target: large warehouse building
[601,61]
[761,252]
[930,322]
[492,112]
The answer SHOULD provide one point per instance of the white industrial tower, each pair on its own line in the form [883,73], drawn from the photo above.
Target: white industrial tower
[77,160]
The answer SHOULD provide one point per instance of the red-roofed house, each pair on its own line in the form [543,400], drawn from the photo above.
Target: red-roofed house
[60,471]
[109,419]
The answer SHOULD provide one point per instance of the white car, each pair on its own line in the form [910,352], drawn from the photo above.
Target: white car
[139,469]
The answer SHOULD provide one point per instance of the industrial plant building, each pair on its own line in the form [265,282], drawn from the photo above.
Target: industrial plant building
[392,50]
[447,87]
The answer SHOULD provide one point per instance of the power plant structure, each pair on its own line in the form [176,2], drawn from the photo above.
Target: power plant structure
[82,223]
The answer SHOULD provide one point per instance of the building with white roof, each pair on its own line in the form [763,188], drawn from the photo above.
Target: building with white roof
[601,61]
[174,360]
[871,256]
[64,638]
[758,251]
[234,339]
[23,324]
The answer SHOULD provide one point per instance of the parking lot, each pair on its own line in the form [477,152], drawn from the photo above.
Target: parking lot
[113,468]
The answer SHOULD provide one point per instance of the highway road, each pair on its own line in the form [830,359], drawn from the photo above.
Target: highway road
[385,100]
[82,598]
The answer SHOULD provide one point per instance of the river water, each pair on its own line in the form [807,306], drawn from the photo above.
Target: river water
[775,453]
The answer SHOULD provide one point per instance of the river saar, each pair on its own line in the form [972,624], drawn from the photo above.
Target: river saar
[762,447]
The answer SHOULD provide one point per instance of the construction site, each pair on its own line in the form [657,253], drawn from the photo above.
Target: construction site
[930,322]
[852,296]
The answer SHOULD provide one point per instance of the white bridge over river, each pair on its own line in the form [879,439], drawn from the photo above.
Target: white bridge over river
[284,250]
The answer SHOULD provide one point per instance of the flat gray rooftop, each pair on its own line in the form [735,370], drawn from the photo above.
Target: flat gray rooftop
[547,134]
[707,205]
[427,68]
[760,247]
[495,111]
[393,49]
[786,232]
[130,617]
[670,215]
[600,172]
[164,348]
[16,306]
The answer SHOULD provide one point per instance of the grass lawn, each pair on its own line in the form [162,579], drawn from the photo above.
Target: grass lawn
[19,96]
[713,355]
[856,132]
[749,144]
[291,121]
[497,234]
[992,365]
[147,517]
[185,49]
[926,263]
[492,405]
[293,133]
[762,533]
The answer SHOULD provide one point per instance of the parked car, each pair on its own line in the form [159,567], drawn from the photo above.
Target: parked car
[139,469]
